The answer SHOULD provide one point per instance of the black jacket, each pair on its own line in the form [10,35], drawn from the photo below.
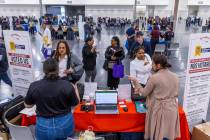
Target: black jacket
[110,52]
[89,58]
[3,60]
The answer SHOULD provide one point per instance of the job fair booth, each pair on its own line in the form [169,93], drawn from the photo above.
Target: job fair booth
[109,111]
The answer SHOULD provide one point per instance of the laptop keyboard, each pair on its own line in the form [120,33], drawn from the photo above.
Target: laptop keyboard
[106,107]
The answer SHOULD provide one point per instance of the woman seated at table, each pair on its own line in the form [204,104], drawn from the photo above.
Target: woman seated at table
[70,66]
[53,98]
[162,90]
[141,66]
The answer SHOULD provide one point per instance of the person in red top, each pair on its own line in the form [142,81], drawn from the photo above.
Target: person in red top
[155,34]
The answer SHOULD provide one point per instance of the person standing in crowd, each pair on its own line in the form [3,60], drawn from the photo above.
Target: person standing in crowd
[31,26]
[4,66]
[139,41]
[162,117]
[141,66]
[47,42]
[155,35]
[53,98]
[87,30]
[130,33]
[169,34]
[19,27]
[70,67]
[89,55]
[60,32]
[111,59]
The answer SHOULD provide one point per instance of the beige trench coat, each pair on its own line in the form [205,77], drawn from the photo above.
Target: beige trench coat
[162,117]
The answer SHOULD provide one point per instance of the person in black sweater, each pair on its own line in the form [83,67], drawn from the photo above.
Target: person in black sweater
[111,59]
[53,98]
[89,55]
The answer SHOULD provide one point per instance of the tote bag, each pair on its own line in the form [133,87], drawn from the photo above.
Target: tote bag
[118,70]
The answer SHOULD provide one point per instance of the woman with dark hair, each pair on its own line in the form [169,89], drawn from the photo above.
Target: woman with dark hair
[155,35]
[70,67]
[112,58]
[162,90]
[141,66]
[89,55]
[53,98]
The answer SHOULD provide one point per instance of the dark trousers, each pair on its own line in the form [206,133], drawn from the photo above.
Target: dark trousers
[4,76]
[130,42]
[90,75]
[112,82]
[153,45]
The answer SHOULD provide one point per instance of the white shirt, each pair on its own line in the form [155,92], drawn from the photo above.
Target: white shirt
[62,66]
[47,38]
[139,70]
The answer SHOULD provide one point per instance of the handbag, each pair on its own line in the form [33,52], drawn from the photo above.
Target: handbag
[118,70]
[105,65]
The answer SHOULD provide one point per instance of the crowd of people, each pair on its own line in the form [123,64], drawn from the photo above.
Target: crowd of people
[57,92]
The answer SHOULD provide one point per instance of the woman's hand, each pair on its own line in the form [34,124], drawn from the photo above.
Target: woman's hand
[135,83]
[69,71]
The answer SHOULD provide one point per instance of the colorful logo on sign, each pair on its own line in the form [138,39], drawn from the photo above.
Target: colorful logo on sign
[198,50]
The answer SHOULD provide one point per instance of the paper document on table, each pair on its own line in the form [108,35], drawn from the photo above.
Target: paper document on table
[29,111]
[124,92]
[90,89]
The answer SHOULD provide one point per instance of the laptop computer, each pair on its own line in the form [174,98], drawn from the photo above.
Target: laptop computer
[106,102]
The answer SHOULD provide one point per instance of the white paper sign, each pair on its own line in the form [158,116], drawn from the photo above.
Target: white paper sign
[90,89]
[20,60]
[197,87]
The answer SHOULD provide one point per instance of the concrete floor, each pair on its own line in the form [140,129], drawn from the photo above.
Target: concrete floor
[178,59]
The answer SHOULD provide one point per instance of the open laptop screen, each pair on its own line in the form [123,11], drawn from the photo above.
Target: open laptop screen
[106,97]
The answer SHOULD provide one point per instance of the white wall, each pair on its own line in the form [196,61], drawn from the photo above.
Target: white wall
[198,2]
[183,9]
[203,12]
[20,2]
[90,2]
[109,11]
[20,10]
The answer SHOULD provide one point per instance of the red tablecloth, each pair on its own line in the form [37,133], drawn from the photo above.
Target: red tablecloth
[124,122]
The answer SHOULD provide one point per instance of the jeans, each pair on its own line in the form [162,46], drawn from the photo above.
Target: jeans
[4,76]
[55,128]
[90,74]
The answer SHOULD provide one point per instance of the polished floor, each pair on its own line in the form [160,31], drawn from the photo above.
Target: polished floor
[178,58]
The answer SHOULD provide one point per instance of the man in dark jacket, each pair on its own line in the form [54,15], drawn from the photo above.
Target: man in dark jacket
[89,55]
[87,30]
[4,66]
[139,42]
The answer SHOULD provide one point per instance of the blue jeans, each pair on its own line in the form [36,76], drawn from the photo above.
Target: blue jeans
[55,128]
[4,76]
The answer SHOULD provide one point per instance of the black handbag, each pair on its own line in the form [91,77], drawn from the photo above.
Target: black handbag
[105,65]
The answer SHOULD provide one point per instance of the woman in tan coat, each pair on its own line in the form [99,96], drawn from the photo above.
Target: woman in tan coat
[162,89]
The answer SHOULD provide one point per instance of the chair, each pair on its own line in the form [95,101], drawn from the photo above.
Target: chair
[160,48]
[17,132]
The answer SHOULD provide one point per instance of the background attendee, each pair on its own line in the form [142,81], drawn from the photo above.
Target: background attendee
[169,34]
[130,33]
[89,55]
[112,82]
[141,66]
[87,30]
[47,42]
[4,66]
[155,35]
[162,90]
[53,98]
[139,42]
[19,27]
[70,66]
